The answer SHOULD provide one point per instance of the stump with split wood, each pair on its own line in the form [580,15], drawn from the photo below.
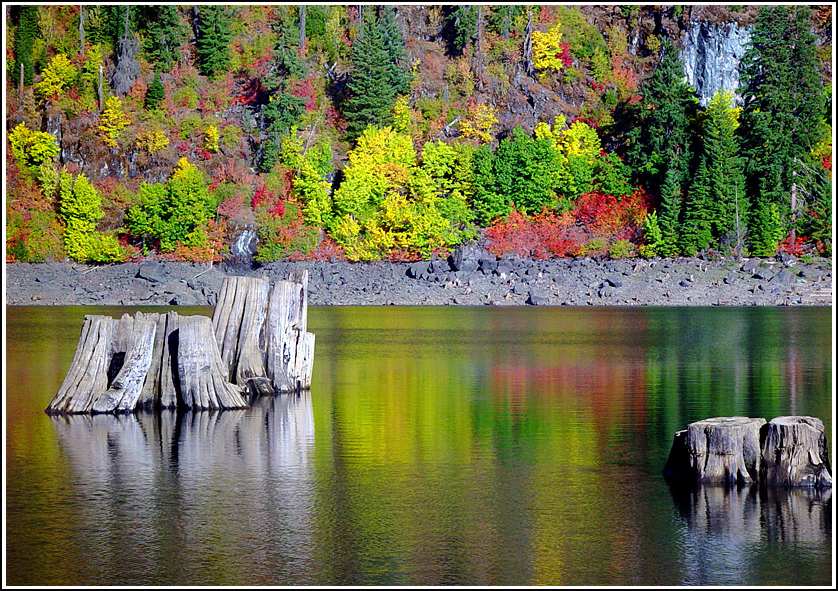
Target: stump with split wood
[721,450]
[256,343]
[794,453]
[787,451]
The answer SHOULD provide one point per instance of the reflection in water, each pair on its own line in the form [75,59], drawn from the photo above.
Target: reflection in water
[437,446]
[155,482]
[724,525]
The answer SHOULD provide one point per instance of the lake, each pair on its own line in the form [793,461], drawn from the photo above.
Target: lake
[437,446]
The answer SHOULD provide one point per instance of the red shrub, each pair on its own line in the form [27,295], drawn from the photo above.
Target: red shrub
[548,234]
[565,56]
[793,245]
[327,250]
[826,162]
[261,196]
[305,90]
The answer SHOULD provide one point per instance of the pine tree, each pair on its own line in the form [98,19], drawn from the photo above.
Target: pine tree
[723,184]
[287,63]
[394,46]
[155,93]
[27,31]
[214,40]
[669,212]
[659,142]
[165,32]
[372,89]
[695,232]
[661,137]
[782,117]
[463,23]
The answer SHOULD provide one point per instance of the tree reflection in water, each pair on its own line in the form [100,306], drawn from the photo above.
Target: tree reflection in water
[724,525]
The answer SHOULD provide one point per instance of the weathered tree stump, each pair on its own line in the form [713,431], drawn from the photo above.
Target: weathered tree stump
[794,453]
[256,342]
[722,450]
[238,320]
[261,331]
[109,367]
[160,389]
[202,374]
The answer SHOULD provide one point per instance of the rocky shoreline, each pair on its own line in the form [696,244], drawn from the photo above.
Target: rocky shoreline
[465,278]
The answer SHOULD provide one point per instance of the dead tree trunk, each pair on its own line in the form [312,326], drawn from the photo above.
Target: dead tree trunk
[256,342]
[723,450]
[238,321]
[201,372]
[795,453]
[161,384]
[290,349]
[109,367]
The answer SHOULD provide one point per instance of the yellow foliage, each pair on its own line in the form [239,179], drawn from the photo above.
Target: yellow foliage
[211,137]
[58,75]
[32,149]
[547,49]
[723,102]
[402,115]
[153,141]
[112,121]
[580,139]
[478,124]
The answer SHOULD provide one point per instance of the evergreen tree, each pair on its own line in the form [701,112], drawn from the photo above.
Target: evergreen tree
[463,23]
[669,212]
[165,32]
[659,142]
[287,63]
[721,188]
[782,117]
[27,31]
[695,230]
[372,83]
[214,40]
[283,109]
[394,46]
[155,93]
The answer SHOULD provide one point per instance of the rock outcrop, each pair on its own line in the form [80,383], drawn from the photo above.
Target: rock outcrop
[711,53]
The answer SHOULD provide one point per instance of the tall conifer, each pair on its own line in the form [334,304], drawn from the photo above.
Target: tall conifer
[782,118]
[214,40]
[27,31]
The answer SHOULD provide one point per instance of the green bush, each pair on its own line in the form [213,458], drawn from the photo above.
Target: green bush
[621,249]
[80,207]
[175,212]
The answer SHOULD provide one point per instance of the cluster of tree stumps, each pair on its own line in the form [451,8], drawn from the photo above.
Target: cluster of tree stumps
[255,344]
[785,451]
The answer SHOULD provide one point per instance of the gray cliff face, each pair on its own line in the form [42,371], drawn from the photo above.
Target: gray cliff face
[711,55]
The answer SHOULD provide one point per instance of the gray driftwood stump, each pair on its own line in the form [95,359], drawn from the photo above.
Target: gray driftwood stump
[256,343]
[722,450]
[788,452]
[794,453]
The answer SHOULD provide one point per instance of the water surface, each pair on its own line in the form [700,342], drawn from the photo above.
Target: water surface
[437,446]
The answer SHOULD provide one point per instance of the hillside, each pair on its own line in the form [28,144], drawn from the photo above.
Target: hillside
[340,132]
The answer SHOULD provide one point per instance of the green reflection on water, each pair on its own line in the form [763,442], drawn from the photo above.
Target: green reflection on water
[449,445]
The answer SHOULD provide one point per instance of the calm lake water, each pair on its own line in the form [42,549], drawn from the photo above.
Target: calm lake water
[437,446]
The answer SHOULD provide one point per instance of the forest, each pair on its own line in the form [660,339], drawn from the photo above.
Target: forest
[366,133]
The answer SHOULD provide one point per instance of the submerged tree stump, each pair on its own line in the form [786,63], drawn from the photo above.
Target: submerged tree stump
[109,367]
[160,389]
[202,374]
[722,450]
[256,343]
[238,321]
[290,349]
[794,453]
